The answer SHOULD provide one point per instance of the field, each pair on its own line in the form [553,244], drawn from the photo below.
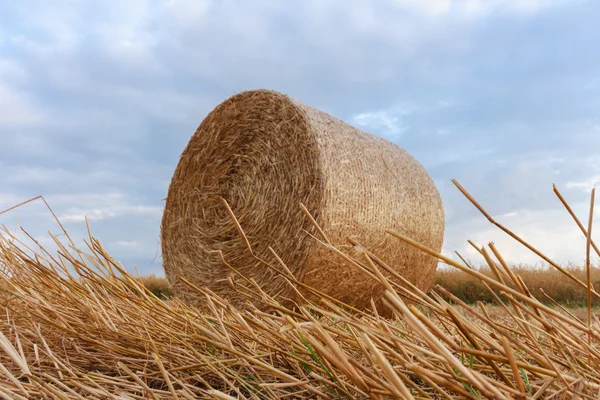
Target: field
[546,284]
[76,324]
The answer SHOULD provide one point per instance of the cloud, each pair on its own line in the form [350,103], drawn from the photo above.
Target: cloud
[552,232]
[585,185]
[114,211]
[99,98]
[381,123]
[81,215]
[430,7]
[18,110]
[127,244]
[486,7]
[473,8]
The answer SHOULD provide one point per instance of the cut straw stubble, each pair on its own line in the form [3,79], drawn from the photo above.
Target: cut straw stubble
[62,328]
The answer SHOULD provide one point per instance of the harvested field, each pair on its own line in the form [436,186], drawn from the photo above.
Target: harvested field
[545,283]
[77,325]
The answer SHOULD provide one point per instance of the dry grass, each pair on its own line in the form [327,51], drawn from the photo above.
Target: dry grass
[158,285]
[546,284]
[76,325]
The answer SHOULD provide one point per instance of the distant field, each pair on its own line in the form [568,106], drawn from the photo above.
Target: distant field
[539,281]
[470,290]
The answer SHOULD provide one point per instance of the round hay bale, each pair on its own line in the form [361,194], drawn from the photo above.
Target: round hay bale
[265,154]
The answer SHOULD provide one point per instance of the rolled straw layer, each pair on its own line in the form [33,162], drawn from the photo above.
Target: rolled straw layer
[265,154]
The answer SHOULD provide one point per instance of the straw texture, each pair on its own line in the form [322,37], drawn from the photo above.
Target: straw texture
[76,325]
[266,154]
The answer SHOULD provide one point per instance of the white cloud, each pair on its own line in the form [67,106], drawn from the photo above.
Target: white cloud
[585,185]
[109,211]
[8,200]
[125,36]
[18,110]
[71,208]
[591,164]
[486,7]
[478,8]
[78,215]
[185,12]
[83,181]
[430,7]
[131,244]
[12,71]
[380,123]
[553,232]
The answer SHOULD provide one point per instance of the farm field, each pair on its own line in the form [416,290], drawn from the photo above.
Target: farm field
[76,325]
[546,284]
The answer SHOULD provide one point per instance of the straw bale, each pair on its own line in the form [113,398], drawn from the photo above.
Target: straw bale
[266,153]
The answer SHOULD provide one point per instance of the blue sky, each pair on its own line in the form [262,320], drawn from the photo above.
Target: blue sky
[99,98]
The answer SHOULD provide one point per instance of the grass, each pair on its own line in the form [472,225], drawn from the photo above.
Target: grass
[76,325]
[546,284]
[159,286]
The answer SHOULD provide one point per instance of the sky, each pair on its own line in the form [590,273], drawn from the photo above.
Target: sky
[99,98]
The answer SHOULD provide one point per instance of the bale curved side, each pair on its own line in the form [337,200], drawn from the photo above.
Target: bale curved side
[371,185]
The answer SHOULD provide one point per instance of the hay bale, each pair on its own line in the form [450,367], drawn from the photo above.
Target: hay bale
[266,153]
